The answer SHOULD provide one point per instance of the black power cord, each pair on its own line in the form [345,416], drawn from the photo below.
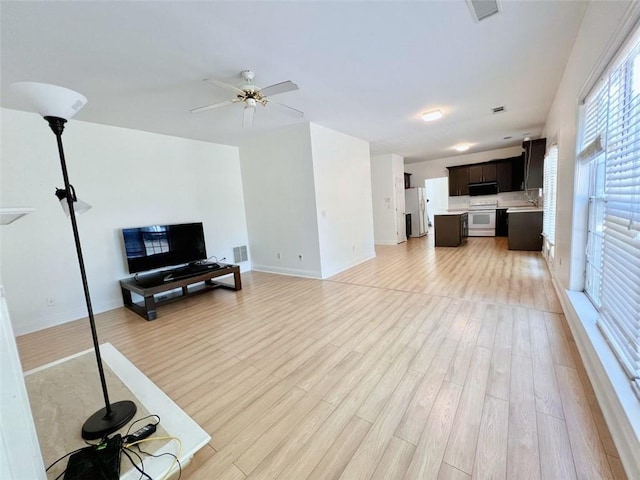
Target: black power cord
[162,454]
[123,448]
[126,451]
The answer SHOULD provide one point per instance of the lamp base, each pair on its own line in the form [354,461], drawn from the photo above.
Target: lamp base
[100,424]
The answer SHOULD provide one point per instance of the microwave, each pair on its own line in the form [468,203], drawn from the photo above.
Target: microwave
[485,188]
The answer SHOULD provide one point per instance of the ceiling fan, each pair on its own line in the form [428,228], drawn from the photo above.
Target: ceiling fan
[252,95]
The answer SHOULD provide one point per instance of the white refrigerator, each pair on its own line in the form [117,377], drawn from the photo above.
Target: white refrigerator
[415,205]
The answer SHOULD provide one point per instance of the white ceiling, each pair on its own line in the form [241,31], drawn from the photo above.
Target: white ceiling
[367,69]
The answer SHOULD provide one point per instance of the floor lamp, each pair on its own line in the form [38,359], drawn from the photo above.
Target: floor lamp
[58,104]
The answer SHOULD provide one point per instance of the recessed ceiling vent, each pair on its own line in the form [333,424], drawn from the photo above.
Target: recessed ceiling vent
[481,9]
[499,109]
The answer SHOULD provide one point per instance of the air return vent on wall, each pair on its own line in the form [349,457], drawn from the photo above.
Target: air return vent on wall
[240,254]
[481,9]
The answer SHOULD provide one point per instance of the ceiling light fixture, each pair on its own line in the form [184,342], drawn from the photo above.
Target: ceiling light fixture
[463,147]
[432,115]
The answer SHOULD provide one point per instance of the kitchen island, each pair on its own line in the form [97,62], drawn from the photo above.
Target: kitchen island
[451,228]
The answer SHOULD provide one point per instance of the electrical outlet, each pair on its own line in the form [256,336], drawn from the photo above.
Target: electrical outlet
[51,302]
[300,257]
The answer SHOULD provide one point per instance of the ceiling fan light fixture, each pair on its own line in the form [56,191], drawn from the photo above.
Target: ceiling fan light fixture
[432,115]
[247,115]
[463,147]
[250,95]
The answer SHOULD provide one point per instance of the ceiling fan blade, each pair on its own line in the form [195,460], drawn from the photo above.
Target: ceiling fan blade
[212,106]
[287,109]
[220,84]
[278,88]
[247,117]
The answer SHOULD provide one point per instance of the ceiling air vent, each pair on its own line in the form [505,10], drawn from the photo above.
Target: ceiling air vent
[499,109]
[481,9]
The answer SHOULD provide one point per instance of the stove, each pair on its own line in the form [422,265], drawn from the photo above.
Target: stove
[482,218]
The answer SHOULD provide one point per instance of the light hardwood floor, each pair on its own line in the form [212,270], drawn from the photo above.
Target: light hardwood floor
[423,363]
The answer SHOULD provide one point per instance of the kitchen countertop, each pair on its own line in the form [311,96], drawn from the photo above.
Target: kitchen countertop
[524,209]
[451,212]
[508,208]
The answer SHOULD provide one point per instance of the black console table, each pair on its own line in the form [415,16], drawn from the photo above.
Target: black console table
[154,284]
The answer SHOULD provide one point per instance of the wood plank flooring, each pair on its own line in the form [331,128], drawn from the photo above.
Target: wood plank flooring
[423,363]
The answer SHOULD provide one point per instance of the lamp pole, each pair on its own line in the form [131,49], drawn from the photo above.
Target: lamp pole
[113,416]
[57,125]
[57,104]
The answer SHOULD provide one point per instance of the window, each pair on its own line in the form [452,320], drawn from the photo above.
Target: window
[549,195]
[610,143]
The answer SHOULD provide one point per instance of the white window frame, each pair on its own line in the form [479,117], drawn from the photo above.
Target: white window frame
[610,144]
[550,192]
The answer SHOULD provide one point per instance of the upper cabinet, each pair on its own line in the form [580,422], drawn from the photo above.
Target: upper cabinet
[482,172]
[509,173]
[407,180]
[504,175]
[517,173]
[534,151]
[458,180]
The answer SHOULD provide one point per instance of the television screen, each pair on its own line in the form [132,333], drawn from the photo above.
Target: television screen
[159,246]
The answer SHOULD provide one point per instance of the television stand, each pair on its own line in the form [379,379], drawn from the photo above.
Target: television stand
[151,285]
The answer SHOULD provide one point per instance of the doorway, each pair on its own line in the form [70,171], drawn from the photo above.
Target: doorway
[401,233]
[437,193]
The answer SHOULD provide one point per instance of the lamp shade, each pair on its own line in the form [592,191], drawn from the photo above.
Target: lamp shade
[79,206]
[50,100]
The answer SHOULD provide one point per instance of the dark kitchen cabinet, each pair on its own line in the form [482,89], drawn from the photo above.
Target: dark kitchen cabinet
[508,173]
[407,180]
[458,181]
[525,231]
[482,172]
[502,222]
[534,151]
[504,175]
[451,230]
[517,173]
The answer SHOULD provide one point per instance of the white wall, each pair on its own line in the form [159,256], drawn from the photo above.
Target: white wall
[131,178]
[603,28]
[384,169]
[600,25]
[277,173]
[438,168]
[20,454]
[342,178]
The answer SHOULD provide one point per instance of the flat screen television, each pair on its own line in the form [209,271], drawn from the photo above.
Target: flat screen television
[158,246]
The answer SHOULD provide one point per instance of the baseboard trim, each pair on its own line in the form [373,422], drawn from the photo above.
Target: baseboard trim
[287,271]
[620,407]
[358,261]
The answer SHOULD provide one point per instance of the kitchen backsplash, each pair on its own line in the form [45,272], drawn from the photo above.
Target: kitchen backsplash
[507,199]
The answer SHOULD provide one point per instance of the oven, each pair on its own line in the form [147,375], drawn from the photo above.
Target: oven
[482,218]
[482,223]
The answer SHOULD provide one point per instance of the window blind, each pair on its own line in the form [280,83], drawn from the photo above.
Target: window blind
[612,120]
[549,190]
